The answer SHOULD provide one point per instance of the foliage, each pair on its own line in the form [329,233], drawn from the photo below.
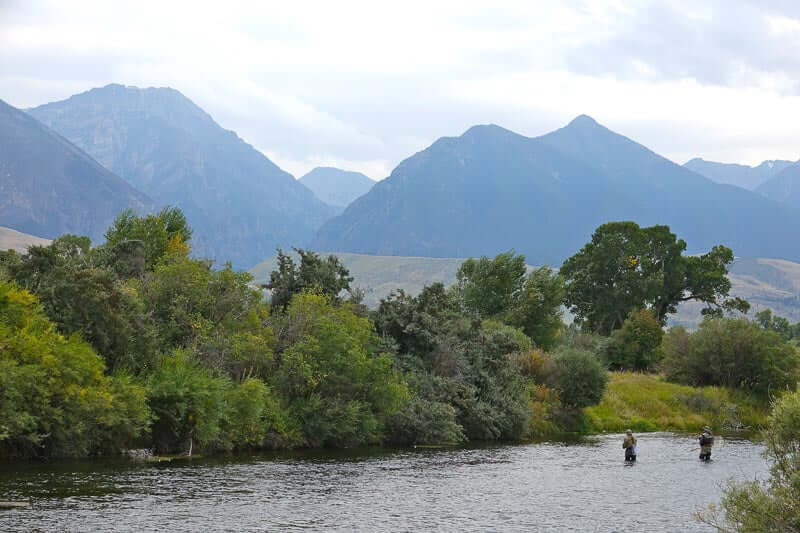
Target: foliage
[339,389]
[637,344]
[499,288]
[327,276]
[773,505]
[646,402]
[54,397]
[626,267]
[578,376]
[778,324]
[157,233]
[732,353]
[188,403]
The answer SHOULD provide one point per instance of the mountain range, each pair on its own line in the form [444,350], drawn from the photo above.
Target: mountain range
[743,176]
[784,186]
[337,187]
[49,186]
[491,190]
[239,203]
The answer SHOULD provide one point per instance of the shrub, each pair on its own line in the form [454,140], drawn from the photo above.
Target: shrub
[637,344]
[732,353]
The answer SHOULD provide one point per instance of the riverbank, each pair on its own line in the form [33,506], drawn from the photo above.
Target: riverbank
[645,402]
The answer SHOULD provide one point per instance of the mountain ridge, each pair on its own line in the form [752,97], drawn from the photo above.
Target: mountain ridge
[491,189]
[241,205]
[51,187]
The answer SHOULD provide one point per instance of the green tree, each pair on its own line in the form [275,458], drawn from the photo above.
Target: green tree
[625,267]
[731,352]
[637,344]
[775,323]
[500,289]
[54,397]
[326,275]
[772,505]
[156,232]
[340,390]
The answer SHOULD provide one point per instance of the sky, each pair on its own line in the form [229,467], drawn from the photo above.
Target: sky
[363,85]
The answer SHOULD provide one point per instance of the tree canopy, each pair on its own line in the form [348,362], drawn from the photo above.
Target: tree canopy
[626,267]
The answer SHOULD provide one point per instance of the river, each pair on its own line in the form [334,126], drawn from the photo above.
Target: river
[537,487]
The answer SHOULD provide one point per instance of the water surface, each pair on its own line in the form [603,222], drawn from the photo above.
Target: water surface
[537,487]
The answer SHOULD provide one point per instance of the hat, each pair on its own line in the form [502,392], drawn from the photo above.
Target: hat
[628,432]
[707,429]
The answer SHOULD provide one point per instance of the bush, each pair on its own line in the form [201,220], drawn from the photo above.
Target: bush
[423,421]
[579,378]
[732,353]
[773,505]
[637,344]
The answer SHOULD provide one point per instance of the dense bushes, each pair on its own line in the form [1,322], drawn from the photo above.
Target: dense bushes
[773,505]
[637,344]
[733,353]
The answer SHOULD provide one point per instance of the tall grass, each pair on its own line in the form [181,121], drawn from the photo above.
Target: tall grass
[644,402]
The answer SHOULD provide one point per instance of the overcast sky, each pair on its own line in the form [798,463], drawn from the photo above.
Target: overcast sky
[363,85]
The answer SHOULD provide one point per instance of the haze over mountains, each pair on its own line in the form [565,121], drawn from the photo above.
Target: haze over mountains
[240,204]
[743,176]
[337,187]
[784,186]
[491,190]
[48,186]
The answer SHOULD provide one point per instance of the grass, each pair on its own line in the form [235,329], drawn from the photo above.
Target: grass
[645,402]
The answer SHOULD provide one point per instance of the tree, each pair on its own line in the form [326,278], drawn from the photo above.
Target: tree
[326,275]
[637,344]
[625,267]
[157,233]
[54,397]
[773,505]
[500,289]
[775,323]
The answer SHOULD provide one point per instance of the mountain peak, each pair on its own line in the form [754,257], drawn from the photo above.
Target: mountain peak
[583,122]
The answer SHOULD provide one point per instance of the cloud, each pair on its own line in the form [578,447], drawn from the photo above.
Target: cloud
[364,85]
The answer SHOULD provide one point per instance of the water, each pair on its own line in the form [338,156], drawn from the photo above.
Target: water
[537,487]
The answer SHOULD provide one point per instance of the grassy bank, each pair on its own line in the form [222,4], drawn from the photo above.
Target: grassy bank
[646,402]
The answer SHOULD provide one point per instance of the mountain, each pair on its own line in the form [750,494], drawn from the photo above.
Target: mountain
[14,240]
[337,187]
[491,190]
[743,176]
[240,204]
[49,186]
[784,187]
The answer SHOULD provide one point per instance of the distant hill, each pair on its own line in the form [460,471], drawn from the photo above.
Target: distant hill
[240,204]
[14,240]
[337,187]
[49,186]
[765,283]
[743,176]
[784,187]
[492,190]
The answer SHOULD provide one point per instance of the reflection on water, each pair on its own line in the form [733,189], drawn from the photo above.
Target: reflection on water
[537,487]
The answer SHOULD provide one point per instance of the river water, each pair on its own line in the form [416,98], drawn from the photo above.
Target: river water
[538,487]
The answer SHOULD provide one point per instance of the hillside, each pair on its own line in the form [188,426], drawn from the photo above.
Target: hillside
[784,187]
[765,283]
[492,190]
[240,204]
[14,240]
[743,176]
[336,187]
[49,186]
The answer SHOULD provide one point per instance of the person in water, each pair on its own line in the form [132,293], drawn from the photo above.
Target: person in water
[629,444]
[706,442]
